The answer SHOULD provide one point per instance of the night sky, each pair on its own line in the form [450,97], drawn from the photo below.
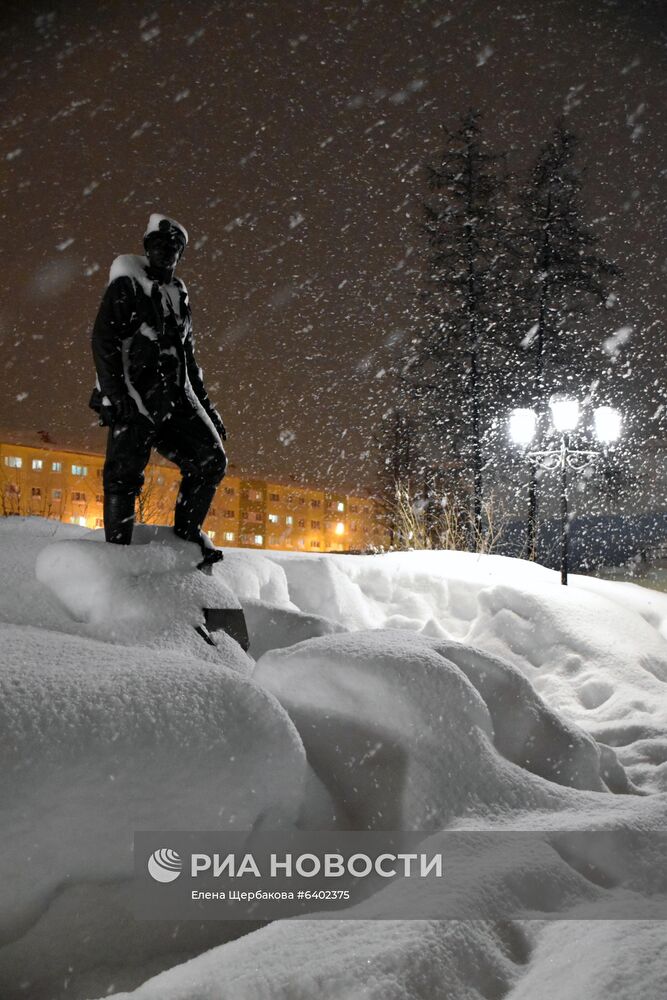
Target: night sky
[290,139]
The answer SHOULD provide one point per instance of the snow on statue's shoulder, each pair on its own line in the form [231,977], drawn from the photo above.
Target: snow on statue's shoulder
[131,265]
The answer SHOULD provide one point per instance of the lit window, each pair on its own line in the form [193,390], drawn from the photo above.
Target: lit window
[211,534]
[341,505]
[81,521]
[289,519]
[13,461]
[36,491]
[228,536]
[274,519]
[37,464]
[57,494]
[56,467]
[340,528]
[259,539]
[79,470]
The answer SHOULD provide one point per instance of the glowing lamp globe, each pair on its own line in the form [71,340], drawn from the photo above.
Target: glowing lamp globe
[522,426]
[607,424]
[564,413]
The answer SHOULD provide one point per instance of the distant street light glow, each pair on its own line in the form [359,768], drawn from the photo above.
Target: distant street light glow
[564,413]
[523,426]
[607,424]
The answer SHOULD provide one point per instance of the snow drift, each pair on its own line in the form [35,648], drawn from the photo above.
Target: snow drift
[421,690]
[403,739]
[595,651]
[98,741]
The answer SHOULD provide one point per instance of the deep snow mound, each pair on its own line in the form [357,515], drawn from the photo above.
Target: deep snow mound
[528,732]
[24,600]
[149,593]
[429,689]
[402,737]
[599,960]
[595,651]
[425,960]
[275,627]
[98,741]
[252,576]
[351,960]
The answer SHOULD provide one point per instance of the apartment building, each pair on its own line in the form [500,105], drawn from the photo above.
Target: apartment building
[42,480]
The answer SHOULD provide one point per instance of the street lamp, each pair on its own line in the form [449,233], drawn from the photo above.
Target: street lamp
[565,415]
[523,426]
[607,424]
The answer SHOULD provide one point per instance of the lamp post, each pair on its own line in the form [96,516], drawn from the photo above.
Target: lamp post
[560,455]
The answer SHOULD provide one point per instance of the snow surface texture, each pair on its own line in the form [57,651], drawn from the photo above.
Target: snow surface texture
[422,691]
[64,578]
[426,960]
[99,741]
[595,650]
[389,700]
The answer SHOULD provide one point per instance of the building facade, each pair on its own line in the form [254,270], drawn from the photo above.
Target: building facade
[248,513]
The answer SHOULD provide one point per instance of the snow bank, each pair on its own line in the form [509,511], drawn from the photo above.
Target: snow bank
[24,600]
[98,741]
[149,593]
[274,627]
[529,733]
[251,576]
[491,957]
[425,960]
[596,654]
[349,960]
[403,738]
[428,690]
[606,960]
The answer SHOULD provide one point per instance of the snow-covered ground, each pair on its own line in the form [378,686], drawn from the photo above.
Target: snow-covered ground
[415,691]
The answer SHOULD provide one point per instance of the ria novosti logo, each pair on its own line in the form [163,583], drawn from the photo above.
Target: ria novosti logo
[164,865]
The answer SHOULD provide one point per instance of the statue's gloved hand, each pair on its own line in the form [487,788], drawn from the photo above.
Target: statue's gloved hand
[124,409]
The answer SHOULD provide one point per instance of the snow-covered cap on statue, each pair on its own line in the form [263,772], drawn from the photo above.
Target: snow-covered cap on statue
[163,224]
